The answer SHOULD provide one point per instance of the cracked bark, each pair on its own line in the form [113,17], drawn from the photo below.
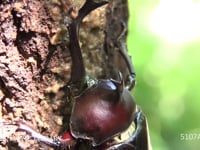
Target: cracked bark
[35,61]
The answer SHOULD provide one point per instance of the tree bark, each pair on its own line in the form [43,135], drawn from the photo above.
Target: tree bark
[35,61]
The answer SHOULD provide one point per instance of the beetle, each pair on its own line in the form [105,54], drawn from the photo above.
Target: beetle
[103,109]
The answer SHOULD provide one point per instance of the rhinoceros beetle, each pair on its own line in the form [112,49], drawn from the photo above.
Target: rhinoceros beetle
[103,109]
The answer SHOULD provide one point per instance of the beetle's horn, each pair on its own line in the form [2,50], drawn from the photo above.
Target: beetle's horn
[78,69]
[89,6]
[119,83]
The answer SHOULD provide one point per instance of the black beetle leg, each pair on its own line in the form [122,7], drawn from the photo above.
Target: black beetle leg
[123,51]
[139,139]
[141,136]
[78,70]
[52,142]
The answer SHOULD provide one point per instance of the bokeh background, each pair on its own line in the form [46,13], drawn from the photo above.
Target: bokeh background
[164,41]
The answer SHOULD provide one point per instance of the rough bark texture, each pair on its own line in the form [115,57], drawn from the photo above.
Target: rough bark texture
[35,61]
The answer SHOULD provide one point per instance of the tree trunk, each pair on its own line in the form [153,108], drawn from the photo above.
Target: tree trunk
[35,61]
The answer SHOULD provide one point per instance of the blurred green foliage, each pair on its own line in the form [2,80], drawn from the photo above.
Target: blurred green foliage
[168,72]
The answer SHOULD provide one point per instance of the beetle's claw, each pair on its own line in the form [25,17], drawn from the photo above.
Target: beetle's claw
[131,79]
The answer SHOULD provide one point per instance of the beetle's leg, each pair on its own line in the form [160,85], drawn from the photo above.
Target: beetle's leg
[139,139]
[123,51]
[141,136]
[56,142]
[78,70]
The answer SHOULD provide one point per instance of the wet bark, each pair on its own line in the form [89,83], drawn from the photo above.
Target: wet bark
[35,61]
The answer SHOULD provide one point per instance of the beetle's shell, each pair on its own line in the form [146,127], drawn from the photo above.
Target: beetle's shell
[102,112]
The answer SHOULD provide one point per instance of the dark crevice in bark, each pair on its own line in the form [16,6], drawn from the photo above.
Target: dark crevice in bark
[13,145]
[51,50]
[17,80]
[3,54]
[5,41]
[16,19]
[37,57]
[22,38]
[5,89]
